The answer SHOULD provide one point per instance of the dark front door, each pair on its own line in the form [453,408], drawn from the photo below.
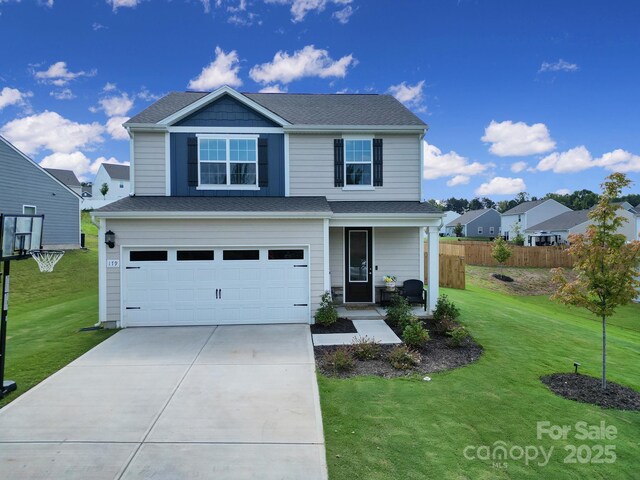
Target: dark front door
[358,253]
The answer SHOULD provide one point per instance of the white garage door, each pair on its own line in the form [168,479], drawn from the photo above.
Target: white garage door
[215,286]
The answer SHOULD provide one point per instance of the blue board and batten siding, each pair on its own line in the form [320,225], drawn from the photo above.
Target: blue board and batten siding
[226,112]
[23,183]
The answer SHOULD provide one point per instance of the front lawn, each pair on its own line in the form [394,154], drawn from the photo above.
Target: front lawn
[410,429]
[46,312]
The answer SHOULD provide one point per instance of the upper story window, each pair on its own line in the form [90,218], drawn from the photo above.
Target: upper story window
[228,162]
[358,162]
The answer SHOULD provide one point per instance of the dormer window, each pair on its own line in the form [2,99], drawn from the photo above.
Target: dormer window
[228,162]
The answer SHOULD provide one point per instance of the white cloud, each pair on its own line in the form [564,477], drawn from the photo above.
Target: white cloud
[273,89]
[77,161]
[574,160]
[50,131]
[108,87]
[308,62]
[116,105]
[115,129]
[300,8]
[502,186]
[438,165]
[559,66]
[146,95]
[344,15]
[517,139]
[12,96]
[411,95]
[64,94]
[222,71]
[58,74]
[563,191]
[123,3]
[206,4]
[518,167]
[97,26]
[619,161]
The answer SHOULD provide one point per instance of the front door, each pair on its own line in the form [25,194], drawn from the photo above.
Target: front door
[358,269]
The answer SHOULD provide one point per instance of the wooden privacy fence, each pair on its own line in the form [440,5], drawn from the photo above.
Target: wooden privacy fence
[451,271]
[479,253]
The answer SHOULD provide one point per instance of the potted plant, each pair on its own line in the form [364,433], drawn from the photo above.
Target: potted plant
[390,282]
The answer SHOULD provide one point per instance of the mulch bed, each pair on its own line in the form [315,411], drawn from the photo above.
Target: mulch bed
[503,278]
[436,356]
[587,389]
[342,325]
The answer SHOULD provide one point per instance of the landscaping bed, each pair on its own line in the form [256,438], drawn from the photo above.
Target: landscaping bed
[587,389]
[342,325]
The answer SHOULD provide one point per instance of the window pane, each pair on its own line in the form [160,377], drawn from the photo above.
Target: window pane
[148,256]
[358,151]
[358,174]
[241,150]
[243,173]
[286,254]
[358,253]
[194,255]
[213,149]
[241,255]
[213,173]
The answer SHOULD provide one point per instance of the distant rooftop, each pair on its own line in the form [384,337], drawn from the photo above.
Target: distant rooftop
[561,222]
[117,172]
[467,217]
[524,207]
[64,176]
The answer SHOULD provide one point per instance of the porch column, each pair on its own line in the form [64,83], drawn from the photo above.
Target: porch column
[433,266]
[325,244]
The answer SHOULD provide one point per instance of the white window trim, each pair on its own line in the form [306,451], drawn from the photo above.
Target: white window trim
[35,209]
[228,162]
[480,231]
[357,187]
[492,230]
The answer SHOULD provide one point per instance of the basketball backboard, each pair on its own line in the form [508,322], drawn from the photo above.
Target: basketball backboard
[19,234]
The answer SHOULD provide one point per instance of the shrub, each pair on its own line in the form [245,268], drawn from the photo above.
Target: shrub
[445,314]
[399,312]
[458,336]
[339,360]
[326,313]
[365,348]
[415,335]
[403,358]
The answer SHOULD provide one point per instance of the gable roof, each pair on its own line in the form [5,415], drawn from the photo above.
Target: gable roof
[65,176]
[564,221]
[297,109]
[116,171]
[469,216]
[524,207]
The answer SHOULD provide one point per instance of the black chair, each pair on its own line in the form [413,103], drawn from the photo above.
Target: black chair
[413,291]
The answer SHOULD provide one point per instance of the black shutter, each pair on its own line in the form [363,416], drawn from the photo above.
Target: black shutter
[263,162]
[377,162]
[192,161]
[338,162]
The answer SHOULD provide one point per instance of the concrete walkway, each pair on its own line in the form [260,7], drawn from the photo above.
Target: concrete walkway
[228,402]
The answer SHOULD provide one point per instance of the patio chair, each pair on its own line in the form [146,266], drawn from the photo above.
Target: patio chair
[413,291]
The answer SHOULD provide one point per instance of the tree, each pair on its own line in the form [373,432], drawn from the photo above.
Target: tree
[487,202]
[607,266]
[475,204]
[458,205]
[104,189]
[501,251]
[436,203]
[457,230]
[518,238]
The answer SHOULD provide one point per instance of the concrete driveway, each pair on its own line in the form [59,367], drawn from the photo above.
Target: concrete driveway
[227,402]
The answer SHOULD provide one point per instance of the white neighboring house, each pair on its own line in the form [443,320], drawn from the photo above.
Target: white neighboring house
[449,216]
[117,177]
[528,214]
[556,230]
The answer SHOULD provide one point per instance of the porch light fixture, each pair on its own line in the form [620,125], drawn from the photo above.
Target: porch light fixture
[110,239]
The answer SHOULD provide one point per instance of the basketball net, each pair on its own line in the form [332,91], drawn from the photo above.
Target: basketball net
[46,259]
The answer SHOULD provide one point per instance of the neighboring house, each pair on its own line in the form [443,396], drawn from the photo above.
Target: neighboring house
[476,223]
[556,230]
[87,191]
[449,216]
[528,214]
[27,188]
[116,177]
[68,178]
[246,208]
[627,206]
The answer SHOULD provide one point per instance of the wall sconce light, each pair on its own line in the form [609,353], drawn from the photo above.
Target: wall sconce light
[110,239]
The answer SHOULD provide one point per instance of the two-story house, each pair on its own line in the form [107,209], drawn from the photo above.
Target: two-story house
[246,208]
[116,177]
[528,214]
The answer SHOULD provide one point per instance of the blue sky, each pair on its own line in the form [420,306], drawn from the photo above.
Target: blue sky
[537,96]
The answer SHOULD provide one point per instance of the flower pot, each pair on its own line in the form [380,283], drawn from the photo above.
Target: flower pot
[391,286]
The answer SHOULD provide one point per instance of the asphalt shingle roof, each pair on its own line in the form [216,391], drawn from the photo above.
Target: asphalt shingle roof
[467,217]
[384,207]
[564,221]
[117,172]
[523,207]
[65,176]
[301,109]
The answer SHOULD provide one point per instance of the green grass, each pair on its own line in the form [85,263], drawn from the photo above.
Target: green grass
[46,311]
[411,429]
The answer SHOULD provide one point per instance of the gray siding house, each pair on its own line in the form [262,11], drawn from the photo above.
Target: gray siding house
[246,208]
[476,223]
[27,188]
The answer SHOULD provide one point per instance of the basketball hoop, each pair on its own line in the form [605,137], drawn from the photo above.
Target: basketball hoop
[46,259]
